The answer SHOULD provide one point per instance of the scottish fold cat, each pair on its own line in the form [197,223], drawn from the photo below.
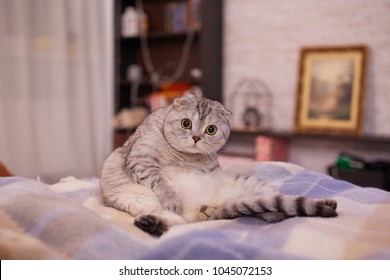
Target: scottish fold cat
[167,173]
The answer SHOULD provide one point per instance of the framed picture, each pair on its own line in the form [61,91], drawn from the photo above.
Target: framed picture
[330,90]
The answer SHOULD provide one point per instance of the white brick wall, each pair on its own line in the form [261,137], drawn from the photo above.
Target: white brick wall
[262,39]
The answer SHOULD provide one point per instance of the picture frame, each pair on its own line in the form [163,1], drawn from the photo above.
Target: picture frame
[331,90]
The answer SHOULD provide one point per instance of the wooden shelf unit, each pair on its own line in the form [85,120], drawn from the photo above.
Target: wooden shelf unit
[166,47]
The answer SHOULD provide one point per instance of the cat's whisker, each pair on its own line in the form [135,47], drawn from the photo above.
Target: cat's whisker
[209,152]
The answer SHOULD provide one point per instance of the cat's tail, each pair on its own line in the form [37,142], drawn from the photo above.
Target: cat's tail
[276,208]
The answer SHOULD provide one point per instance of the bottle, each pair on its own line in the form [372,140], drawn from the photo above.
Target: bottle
[196,77]
[130,22]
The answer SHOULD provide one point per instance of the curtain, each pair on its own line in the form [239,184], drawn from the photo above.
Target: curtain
[56,87]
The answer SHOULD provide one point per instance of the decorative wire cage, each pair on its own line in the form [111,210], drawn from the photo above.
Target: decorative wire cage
[251,102]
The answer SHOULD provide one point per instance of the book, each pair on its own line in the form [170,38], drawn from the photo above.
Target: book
[175,17]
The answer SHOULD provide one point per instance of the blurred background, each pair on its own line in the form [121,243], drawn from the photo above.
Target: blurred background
[56,80]
[78,76]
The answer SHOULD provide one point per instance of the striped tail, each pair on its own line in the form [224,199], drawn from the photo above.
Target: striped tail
[276,208]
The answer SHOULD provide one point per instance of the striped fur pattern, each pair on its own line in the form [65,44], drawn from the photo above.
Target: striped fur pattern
[167,173]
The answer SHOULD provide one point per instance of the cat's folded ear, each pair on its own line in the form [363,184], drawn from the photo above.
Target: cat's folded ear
[225,113]
[183,102]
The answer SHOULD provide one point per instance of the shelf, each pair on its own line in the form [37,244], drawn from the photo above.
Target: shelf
[124,130]
[249,134]
[127,83]
[292,135]
[160,35]
[166,48]
[345,138]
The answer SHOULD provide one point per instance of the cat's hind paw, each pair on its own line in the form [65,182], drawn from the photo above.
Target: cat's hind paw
[326,208]
[151,224]
[331,203]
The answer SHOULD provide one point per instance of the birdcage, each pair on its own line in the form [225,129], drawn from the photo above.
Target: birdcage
[251,104]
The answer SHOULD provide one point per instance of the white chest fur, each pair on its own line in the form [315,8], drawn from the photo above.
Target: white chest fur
[197,189]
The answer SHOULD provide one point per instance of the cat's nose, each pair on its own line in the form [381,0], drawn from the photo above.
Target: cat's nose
[196,138]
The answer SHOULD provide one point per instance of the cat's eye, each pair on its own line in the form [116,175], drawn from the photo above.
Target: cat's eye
[186,123]
[211,129]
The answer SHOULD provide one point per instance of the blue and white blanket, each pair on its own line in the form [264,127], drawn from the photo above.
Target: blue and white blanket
[68,220]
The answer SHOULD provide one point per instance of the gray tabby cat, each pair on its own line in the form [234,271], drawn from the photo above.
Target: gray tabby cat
[167,173]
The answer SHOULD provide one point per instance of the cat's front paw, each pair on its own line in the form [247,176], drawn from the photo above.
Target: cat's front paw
[151,224]
[174,205]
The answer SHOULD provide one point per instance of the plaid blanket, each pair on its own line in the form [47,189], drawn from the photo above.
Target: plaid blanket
[68,220]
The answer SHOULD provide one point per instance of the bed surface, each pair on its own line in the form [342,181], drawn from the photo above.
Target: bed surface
[68,220]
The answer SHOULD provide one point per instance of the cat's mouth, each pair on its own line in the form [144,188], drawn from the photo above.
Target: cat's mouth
[192,145]
[194,148]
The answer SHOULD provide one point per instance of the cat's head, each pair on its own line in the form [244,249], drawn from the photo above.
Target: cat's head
[197,125]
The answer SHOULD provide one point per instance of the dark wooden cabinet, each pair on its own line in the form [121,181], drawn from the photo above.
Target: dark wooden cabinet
[166,48]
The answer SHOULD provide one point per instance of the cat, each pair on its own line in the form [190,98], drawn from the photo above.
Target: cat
[167,173]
